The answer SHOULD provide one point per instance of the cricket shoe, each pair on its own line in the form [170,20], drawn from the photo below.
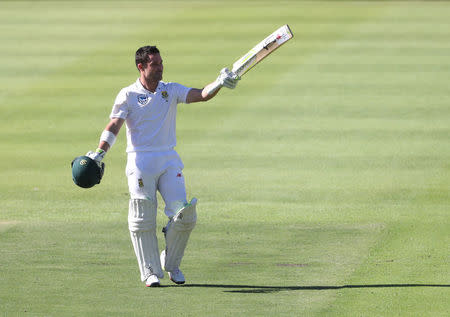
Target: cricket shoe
[176,275]
[152,281]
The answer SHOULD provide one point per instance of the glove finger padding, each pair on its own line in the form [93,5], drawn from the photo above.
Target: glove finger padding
[232,75]
[224,71]
[101,165]
[98,155]
[230,79]
[226,79]
[230,82]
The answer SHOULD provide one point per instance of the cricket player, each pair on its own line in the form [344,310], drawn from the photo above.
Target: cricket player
[148,107]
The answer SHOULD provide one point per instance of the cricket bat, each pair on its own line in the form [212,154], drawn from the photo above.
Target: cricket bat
[258,53]
[262,50]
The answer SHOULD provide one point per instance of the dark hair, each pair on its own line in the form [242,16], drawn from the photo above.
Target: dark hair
[143,52]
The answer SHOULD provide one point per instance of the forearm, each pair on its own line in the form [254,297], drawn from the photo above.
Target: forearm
[205,94]
[103,145]
[225,79]
[108,136]
[210,91]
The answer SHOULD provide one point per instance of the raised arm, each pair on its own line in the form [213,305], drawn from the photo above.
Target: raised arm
[226,79]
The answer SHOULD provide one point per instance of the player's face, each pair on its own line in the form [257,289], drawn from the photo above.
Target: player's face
[154,69]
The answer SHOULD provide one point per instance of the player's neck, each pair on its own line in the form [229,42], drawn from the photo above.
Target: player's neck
[149,85]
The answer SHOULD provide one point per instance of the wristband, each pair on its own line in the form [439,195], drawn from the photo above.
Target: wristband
[108,137]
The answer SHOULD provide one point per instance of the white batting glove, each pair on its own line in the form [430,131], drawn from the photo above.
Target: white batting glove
[97,156]
[227,79]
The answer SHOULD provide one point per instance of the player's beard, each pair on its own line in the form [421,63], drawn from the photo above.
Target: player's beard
[157,76]
[154,77]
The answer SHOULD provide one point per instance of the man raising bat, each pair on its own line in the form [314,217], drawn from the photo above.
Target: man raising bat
[148,107]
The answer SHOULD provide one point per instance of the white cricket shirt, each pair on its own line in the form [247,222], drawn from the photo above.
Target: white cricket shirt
[150,117]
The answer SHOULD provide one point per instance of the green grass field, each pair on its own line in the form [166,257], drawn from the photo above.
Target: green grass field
[323,179]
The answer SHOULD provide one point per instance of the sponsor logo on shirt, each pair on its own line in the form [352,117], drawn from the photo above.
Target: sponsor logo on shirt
[142,99]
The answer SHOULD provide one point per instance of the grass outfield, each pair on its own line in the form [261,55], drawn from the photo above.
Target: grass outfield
[323,179]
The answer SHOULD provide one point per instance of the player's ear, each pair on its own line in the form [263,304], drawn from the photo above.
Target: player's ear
[140,66]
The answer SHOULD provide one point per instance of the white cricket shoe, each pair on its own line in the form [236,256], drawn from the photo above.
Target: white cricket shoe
[152,281]
[176,275]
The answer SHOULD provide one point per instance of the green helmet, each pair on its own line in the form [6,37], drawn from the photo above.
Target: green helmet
[86,172]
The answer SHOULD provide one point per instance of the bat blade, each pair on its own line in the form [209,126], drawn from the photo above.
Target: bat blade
[262,50]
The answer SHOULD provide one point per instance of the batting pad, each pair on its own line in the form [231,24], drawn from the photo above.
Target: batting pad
[142,226]
[177,234]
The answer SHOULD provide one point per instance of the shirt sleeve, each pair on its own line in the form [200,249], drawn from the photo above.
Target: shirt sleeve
[120,108]
[181,92]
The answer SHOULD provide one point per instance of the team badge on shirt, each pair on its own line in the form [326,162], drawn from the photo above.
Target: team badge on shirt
[165,95]
[142,99]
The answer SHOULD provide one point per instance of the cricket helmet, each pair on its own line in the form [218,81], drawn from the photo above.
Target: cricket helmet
[86,172]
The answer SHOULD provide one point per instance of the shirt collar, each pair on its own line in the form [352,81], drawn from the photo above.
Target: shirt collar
[141,87]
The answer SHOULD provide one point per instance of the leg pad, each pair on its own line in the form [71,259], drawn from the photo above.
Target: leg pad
[177,234]
[142,226]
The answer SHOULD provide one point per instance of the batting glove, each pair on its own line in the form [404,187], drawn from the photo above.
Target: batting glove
[227,79]
[97,156]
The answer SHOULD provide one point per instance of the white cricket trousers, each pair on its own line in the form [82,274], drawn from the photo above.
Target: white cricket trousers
[149,172]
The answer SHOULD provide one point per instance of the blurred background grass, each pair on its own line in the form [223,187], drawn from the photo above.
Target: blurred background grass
[328,165]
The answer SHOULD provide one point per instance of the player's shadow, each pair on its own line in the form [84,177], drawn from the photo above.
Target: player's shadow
[273,289]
